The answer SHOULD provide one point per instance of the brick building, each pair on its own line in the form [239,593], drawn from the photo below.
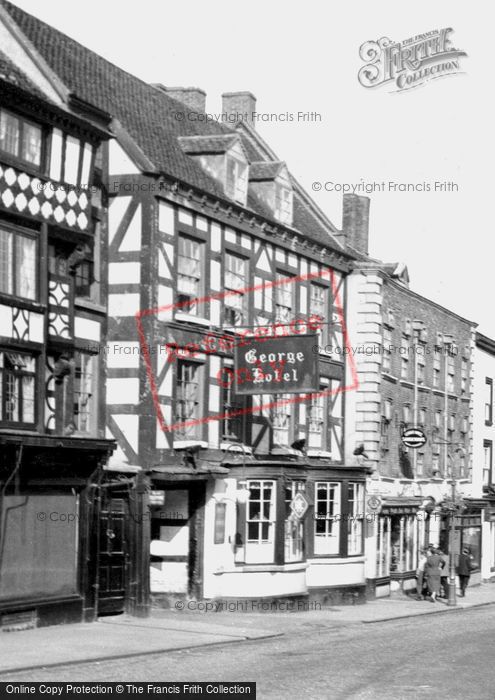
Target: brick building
[483,445]
[414,363]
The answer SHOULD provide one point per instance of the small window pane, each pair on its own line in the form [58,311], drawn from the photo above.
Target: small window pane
[6,262]
[9,133]
[25,272]
[31,144]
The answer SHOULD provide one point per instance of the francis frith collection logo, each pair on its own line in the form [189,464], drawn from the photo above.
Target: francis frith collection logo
[409,63]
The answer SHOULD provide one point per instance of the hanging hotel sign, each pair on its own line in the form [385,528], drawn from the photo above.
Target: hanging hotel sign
[413,437]
[283,365]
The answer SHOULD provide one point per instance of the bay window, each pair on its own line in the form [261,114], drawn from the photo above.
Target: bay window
[20,138]
[260,521]
[355,518]
[17,387]
[294,526]
[327,517]
[18,263]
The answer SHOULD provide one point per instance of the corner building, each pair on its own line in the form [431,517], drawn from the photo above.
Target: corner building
[415,364]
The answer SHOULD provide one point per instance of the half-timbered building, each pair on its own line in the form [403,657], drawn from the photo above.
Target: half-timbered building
[210,238]
[52,322]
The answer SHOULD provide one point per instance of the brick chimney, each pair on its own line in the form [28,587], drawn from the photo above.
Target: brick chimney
[355,221]
[193,97]
[239,103]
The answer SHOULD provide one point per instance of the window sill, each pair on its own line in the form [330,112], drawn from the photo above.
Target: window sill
[264,568]
[81,303]
[321,559]
[190,318]
[28,304]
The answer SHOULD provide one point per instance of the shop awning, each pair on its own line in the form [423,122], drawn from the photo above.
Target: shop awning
[401,506]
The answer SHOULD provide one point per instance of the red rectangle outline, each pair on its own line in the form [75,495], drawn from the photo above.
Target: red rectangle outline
[258,409]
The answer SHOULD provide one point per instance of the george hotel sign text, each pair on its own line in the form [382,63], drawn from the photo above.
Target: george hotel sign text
[409,63]
[285,365]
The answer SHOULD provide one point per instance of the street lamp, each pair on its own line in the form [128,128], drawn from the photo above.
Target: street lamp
[452,508]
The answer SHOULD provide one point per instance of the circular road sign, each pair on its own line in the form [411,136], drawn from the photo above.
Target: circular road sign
[413,437]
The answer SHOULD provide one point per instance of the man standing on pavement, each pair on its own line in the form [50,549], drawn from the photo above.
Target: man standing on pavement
[464,566]
[420,573]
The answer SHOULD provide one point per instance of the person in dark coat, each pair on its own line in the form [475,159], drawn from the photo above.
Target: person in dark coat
[433,568]
[464,566]
[444,577]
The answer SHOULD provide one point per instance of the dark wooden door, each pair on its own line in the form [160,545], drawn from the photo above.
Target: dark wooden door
[113,556]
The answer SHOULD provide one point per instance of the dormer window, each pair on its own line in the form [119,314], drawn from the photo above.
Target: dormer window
[236,180]
[20,138]
[223,158]
[270,183]
[283,204]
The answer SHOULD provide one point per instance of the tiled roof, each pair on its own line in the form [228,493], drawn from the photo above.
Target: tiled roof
[262,170]
[207,144]
[10,73]
[148,115]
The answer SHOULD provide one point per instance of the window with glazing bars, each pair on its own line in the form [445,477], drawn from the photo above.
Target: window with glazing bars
[84,379]
[284,301]
[17,387]
[189,273]
[20,138]
[260,516]
[187,406]
[281,419]
[235,284]
[18,258]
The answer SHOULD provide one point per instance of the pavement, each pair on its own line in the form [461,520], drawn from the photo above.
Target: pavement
[120,637]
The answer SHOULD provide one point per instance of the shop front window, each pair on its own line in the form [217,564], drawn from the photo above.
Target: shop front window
[403,543]
[471,538]
[327,517]
[294,527]
[355,519]
[39,558]
[383,547]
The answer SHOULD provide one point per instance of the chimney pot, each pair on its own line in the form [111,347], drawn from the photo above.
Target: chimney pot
[193,97]
[355,221]
[242,104]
